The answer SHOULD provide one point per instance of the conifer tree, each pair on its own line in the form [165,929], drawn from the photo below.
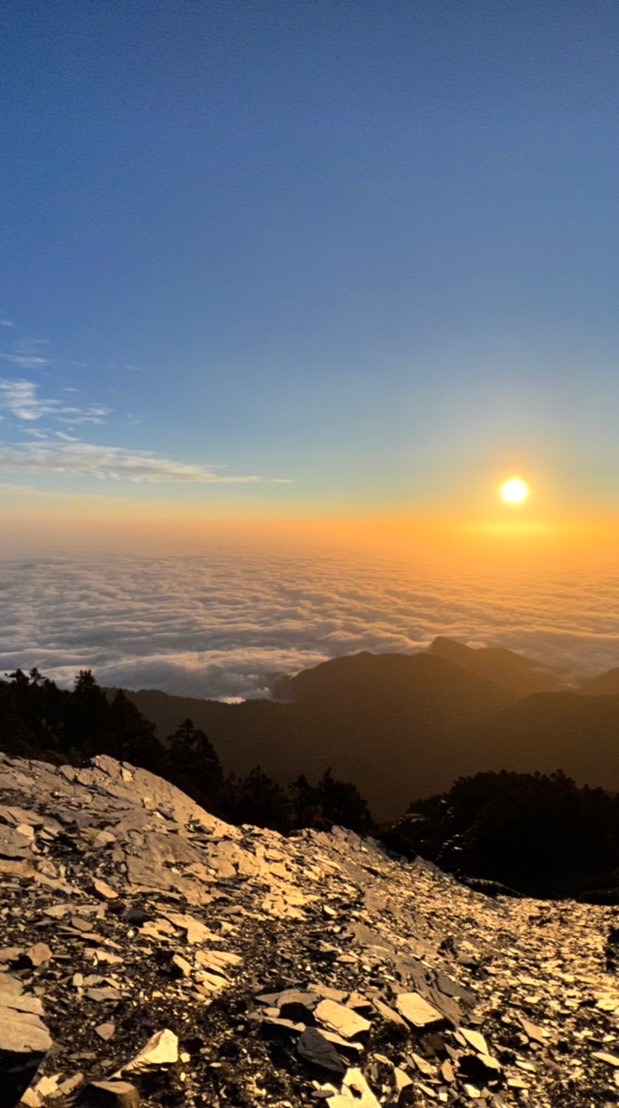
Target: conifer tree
[192,763]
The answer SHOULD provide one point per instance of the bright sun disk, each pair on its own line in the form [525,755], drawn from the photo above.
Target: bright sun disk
[514,490]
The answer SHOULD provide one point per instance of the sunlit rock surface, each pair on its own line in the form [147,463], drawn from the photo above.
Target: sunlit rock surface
[151,954]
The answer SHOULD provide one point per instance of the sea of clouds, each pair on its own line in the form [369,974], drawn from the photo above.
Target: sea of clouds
[223,624]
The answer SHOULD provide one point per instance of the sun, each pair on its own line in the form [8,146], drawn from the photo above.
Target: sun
[514,491]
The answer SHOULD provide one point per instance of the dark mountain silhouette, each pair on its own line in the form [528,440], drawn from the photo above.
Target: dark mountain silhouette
[254,732]
[391,723]
[605,684]
[400,726]
[567,730]
[394,726]
[516,672]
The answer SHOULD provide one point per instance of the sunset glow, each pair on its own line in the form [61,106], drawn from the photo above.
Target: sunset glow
[304,282]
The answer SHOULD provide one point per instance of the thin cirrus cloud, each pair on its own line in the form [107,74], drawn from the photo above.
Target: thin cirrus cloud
[20,399]
[82,459]
[26,352]
[26,361]
[60,454]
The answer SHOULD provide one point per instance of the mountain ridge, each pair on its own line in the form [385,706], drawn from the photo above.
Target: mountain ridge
[403,726]
[394,706]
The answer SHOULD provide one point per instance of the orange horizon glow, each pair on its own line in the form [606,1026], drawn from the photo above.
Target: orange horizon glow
[144,528]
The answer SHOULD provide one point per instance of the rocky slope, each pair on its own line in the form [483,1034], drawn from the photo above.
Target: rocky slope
[150,954]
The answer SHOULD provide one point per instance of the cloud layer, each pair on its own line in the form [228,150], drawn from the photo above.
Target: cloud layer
[224,624]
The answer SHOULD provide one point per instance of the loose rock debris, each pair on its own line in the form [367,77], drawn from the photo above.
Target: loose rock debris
[152,955]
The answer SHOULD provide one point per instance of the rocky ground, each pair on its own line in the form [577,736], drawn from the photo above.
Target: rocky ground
[150,954]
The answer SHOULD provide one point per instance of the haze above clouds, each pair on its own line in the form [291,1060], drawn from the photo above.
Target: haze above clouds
[223,624]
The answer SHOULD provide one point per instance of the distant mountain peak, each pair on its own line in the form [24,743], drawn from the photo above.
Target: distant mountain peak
[508,668]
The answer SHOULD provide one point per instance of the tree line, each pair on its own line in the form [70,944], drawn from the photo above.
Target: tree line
[540,834]
[42,721]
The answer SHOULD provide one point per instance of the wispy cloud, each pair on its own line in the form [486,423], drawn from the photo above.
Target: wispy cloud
[20,399]
[27,352]
[6,323]
[58,453]
[35,433]
[81,459]
[26,361]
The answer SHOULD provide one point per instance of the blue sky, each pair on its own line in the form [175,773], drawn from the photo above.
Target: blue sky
[310,257]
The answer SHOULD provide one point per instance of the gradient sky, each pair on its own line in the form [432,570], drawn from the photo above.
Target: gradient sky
[309,258]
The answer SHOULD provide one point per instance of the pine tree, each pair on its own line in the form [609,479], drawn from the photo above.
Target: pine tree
[191,763]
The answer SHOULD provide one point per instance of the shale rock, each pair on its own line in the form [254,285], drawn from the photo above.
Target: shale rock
[151,954]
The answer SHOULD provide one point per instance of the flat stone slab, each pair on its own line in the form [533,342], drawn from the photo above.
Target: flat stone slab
[417,1010]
